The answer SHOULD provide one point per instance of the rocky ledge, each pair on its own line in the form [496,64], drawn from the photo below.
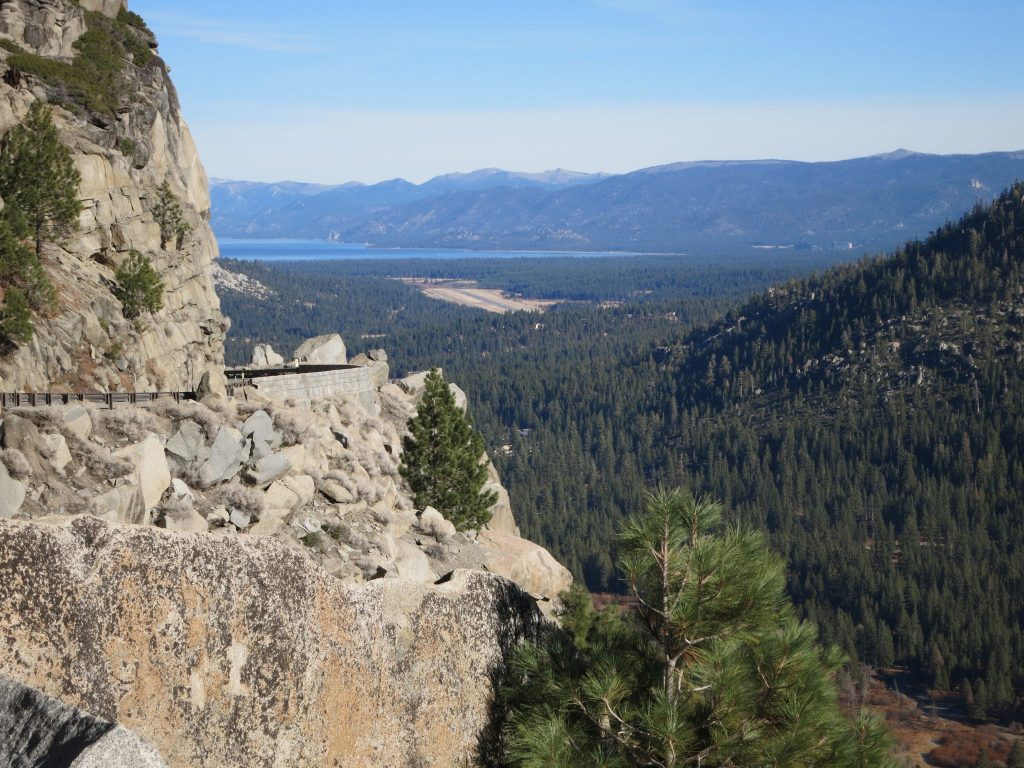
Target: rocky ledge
[321,479]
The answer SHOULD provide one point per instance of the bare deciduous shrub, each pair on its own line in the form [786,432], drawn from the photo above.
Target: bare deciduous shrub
[356,539]
[317,540]
[366,563]
[439,551]
[237,497]
[76,505]
[246,408]
[173,506]
[371,424]
[382,516]
[98,460]
[133,423]
[222,407]
[337,530]
[189,472]
[16,463]
[209,420]
[47,419]
[295,428]
[387,466]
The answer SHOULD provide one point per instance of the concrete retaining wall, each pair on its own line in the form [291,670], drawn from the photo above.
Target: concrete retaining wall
[303,387]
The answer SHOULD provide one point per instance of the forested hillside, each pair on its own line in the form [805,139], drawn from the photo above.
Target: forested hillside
[556,395]
[873,420]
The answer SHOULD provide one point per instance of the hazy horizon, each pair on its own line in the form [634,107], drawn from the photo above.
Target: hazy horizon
[529,172]
[368,92]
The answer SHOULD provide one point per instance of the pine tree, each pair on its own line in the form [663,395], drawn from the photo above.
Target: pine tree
[19,266]
[39,178]
[15,319]
[441,459]
[169,217]
[713,669]
[139,287]
[1016,757]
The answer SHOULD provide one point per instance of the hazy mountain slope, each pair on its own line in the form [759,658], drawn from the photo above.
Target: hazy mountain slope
[294,209]
[872,202]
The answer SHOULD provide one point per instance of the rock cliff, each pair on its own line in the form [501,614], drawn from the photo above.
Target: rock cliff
[127,141]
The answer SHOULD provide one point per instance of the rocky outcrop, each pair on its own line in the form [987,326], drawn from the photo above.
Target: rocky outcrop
[328,349]
[528,564]
[238,652]
[86,344]
[321,477]
[38,731]
[264,356]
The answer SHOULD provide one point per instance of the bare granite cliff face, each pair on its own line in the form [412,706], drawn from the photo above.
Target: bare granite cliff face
[124,151]
[238,652]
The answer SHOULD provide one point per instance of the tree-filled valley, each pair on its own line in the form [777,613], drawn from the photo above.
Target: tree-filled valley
[870,417]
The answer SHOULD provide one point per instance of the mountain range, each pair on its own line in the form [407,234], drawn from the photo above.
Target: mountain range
[870,203]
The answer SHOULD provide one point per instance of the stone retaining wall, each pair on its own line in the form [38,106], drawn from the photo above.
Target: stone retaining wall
[304,387]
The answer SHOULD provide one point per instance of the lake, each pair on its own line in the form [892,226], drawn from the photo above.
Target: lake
[322,250]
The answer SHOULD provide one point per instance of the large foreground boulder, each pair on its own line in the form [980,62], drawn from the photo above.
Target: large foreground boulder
[235,651]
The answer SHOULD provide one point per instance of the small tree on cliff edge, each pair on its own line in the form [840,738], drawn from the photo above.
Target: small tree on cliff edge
[39,178]
[441,459]
[170,217]
[139,287]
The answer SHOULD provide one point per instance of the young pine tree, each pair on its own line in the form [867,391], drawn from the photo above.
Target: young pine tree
[169,217]
[441,459]
[712,668]
[15,320]
[20,267]
[139,287]
[38,177]
[1016,757]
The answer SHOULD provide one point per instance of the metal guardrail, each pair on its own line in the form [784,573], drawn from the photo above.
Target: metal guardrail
[233,385]
[105,399]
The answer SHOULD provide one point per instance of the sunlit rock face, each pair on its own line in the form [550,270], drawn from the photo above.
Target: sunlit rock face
[86,344]
[237,652]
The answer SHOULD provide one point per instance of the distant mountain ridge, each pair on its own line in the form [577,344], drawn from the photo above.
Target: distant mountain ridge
[870,203]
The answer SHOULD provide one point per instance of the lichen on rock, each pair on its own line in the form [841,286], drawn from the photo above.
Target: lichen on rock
[238,652]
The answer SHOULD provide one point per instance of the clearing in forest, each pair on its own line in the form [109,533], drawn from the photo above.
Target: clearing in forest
[468,294]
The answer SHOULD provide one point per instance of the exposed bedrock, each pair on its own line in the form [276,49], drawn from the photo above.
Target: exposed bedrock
[235,651]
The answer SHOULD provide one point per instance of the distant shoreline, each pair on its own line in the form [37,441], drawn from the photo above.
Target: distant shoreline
[420,252]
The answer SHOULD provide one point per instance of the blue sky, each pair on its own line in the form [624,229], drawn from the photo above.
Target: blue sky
[334,90]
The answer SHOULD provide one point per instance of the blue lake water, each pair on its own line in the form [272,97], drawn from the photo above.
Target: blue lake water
[321,250]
